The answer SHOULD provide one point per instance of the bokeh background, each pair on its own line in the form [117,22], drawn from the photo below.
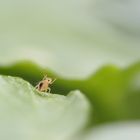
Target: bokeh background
[73,38]
[90,45]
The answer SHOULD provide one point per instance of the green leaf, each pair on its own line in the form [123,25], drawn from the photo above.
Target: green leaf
[29,114]
[113,92]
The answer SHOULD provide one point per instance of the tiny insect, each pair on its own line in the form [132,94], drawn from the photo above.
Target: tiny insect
[43,85]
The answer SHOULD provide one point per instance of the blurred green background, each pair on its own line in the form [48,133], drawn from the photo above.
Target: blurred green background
[73,38]
[93,46]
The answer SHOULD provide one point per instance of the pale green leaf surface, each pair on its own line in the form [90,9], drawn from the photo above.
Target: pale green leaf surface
[115,131]
[27,114]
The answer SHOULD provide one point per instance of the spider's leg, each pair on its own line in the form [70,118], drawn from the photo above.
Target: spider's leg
[48,90]
[37,86]
[44,77]
[53,81]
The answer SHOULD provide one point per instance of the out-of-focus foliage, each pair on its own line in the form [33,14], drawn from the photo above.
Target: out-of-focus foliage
[73,38]
[28,114]
[114,131]
[113,92]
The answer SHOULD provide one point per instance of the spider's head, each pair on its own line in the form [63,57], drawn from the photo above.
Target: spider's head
[48,80]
